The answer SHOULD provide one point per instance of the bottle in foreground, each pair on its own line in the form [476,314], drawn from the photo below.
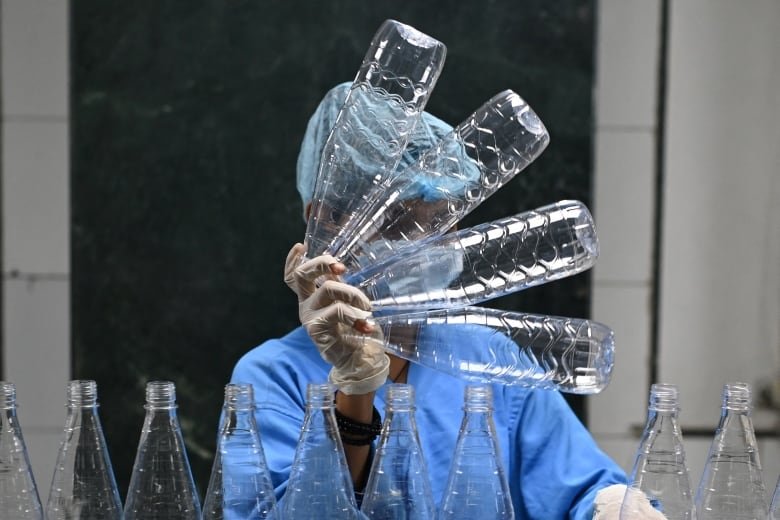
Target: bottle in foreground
[385,103]
[485,345]
[660,473]
[83,486]
[732,485]
[240,485]
[161,485]
[18,494]
[486,261]
[774,510]
[468,165]
[477,485]
[320,485]
[398,485]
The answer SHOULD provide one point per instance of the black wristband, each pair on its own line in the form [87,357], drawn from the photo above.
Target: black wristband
[357,433]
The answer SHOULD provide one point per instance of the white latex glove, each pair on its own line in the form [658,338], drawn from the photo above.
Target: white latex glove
[609,500]
[329,314]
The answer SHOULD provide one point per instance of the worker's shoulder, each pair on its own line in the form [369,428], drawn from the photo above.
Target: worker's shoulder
[293,349]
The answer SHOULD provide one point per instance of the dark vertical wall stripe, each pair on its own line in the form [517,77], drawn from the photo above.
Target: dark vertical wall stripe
[660,171]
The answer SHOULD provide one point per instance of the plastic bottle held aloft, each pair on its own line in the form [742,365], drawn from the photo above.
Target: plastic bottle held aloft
[660,473]
[774,509]
[486,261]
[477,486]
[732,485]
[485,345]
[447,182]
[161,485]
[398,484]
[240,484]
[83,486]
[18,494]
[387,98]
[320,485]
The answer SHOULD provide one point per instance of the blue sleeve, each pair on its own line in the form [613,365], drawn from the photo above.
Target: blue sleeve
[561,467]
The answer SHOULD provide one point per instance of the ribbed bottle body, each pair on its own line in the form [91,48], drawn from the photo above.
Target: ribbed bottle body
[83,485]
[732,485]
[487,261]
[320,485]
[485,345]
[477,486]
[161,485]
[19,498]
[398,486]
[371,131]
[240,484]
[660,471]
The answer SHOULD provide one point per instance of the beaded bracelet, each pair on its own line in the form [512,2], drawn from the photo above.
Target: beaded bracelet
[356,433]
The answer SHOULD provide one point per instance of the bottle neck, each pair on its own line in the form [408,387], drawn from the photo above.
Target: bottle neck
[475,422]
[82,394]
[478,408]
[399,410]
[8,421]
[238,412]
[7,395]
[8,407]
[737,398]
[238,419]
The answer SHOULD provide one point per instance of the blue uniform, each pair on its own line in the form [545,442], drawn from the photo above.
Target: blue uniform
[552,463]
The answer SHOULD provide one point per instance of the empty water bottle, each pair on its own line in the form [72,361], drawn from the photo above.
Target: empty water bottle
[320,485]
[18,494]
[732,485]
[660,472]
[240,486]
[774,509]
[462,170]
[365,145]
[83,486]
[398,485]
[161,485]
[477,485]
[486,261]
[495,346]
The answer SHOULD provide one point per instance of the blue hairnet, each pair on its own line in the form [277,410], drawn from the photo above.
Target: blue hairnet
[428,131]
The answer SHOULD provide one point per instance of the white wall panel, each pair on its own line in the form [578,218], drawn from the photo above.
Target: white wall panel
[720,303]
[34,55]
[36,216]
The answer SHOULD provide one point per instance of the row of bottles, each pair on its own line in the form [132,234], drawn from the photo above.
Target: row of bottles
[162,486]
[398,485]
[731,485]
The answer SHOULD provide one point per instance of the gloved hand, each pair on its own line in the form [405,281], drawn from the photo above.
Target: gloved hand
[609,500]
[331,314]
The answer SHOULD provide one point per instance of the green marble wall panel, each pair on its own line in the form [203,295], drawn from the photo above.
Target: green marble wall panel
[187,117]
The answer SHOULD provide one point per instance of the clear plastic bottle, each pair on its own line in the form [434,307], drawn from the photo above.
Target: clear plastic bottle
[774,509]
[398,485]
[732,485]
[486,261]
[448,181]
[477,485]
[18,494]
[660,471]
[240,485]
[320,485]
[387,98]
[495,346]
[161,485]
[83,486]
